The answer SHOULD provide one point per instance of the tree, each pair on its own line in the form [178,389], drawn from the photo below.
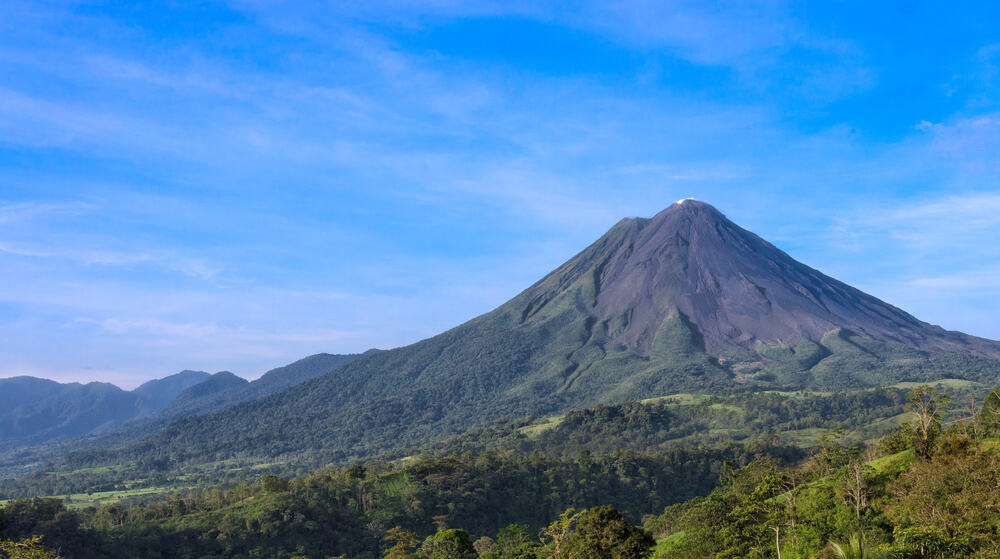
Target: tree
[29,548]
[857,485]
[513,542]
[485,547]
[990,413]
[832,453]
[448,544]
[273,484]
[972,416]
[403,542]
[927,405]
[855,548]
[603,533]
[554,536]
[746,528]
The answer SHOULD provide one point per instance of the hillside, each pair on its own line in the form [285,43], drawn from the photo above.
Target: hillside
[227,390]
[37,411]
[793,420]
[910,495]
[209,393]
[917,493]
[684,302]
[160,392]
[190,398]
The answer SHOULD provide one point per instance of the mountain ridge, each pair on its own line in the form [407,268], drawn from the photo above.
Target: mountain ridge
[35,410]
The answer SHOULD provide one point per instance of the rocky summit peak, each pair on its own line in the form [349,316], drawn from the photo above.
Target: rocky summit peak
[734,289]
[689,209]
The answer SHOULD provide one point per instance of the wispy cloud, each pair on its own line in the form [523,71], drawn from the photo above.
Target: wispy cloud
[21,251]
[11,212]
[314,178]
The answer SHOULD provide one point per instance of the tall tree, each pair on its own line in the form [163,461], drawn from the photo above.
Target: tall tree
[927,405]
[603,533]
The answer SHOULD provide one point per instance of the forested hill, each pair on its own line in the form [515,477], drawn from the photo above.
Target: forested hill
[684,302]
[37,411]
[200,400]
[793,419]
[102,416]
[929,489]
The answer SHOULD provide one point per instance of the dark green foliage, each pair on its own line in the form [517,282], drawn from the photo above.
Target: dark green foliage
[349,511]
[664,424]
[900,506]
[938,507]
[516,541]
[990,413]
[21,519]
[273,484]
[603,533]
[448,544]
[759,418]
[28,548]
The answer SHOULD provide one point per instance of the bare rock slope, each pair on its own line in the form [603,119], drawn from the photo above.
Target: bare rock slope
[735,288]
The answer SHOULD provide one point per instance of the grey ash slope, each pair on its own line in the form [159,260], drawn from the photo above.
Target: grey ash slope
[735,288]
[685,301]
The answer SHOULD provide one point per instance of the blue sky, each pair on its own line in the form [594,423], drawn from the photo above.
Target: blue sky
[237,185]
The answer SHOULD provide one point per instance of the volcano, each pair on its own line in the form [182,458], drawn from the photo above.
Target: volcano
[686,301]
[737,290]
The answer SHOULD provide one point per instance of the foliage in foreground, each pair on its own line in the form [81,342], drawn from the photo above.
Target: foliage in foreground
[929,491]
[352,510]
[28,548]
[660,426]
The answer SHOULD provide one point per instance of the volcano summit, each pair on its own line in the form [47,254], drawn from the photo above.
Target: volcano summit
[734,288]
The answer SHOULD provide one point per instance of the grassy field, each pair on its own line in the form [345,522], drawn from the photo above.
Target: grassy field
[84,500]
[943,383]
[541,426]
[678,399]
[801,437]
[798,393]
[393,484]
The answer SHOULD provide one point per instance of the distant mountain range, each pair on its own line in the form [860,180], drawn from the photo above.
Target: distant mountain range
[225,389]
[36,411]
[686,301]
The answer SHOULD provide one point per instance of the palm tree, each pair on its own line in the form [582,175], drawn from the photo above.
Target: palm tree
[854,549]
